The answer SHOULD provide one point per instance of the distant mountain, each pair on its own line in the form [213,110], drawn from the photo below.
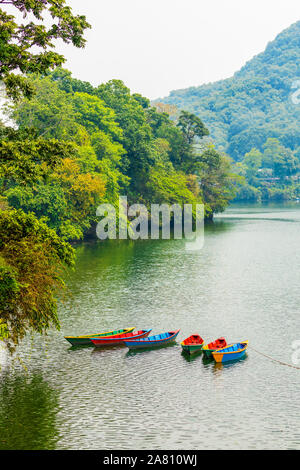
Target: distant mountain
[261,100]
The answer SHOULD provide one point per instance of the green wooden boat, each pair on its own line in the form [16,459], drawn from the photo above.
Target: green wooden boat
[86,339]
[208,349]
[193,344]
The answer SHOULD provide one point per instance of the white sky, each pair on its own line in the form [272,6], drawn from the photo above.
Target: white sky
[156,46]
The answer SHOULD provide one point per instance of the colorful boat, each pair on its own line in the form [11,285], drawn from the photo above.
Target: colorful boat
[232,352]
[208,349]
[119,339]
[193,344]
[153,341]
[86,339]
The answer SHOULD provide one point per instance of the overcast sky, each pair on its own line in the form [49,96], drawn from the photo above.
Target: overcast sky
[156,46]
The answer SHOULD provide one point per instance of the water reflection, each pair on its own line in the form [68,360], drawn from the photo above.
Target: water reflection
[191,357]
[244,283]
[28,413]
[79,347]
[134,352]
[227,365]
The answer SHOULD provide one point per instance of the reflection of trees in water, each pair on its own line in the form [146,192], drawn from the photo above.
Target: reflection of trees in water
[216,225]
[27,413]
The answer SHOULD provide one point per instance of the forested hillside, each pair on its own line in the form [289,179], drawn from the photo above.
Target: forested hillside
[254,117]
[113,143]
[259,102]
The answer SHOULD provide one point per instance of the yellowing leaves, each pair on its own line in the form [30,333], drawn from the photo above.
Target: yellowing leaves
[83,191]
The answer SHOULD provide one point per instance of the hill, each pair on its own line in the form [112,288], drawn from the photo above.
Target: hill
[261,101]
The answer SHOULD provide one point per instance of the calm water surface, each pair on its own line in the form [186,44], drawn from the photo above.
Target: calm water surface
[244,284]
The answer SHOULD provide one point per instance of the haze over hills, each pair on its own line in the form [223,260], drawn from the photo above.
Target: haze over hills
[261,100]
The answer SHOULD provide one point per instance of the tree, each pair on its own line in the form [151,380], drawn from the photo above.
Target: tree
[32,255]
[25,159]
[31,260]
[28,47]
[79,117]
[180,153]
[50,111]
[217,180]
[191,126]
[67,83]
[137,134]
[253,162]
[280,159]
[167,186]
[67,201]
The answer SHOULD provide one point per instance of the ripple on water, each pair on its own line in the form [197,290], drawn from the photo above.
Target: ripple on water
[244,284]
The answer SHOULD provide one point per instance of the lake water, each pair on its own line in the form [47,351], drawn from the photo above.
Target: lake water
[244,284]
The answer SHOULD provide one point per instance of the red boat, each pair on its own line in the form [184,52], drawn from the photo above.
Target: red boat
[208,349]
[193,344]
[119,339]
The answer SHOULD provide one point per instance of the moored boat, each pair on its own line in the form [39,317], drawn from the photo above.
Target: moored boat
[86,339]
[193,344]
[209,348]
[232,352]
[119,339]
[153,341]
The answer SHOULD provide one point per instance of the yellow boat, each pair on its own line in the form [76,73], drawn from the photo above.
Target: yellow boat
[86,339]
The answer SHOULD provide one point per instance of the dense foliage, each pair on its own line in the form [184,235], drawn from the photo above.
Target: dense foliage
[28,47]
[32,255]
[270,175]
[72,147]
[115,144]
[31,259]
[260,101]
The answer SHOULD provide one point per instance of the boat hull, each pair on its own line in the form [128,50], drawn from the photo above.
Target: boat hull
[192,345]
[208,352]
[152,343]
[209,349]
[86,339]
[110,341]
[192,349]
[233,352]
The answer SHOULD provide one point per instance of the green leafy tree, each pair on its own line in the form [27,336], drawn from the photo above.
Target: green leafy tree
[50,112]
[25,159]
[31,259]
[253,162]
[167,186]
[191,126]
[79,117]
[137,133]
[29,47]
[162,127]
[32,255]
[218,183]
[67,83]
[280,159]
[67,201]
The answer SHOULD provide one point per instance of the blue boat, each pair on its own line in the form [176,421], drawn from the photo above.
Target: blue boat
[231,353]
[153,341]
